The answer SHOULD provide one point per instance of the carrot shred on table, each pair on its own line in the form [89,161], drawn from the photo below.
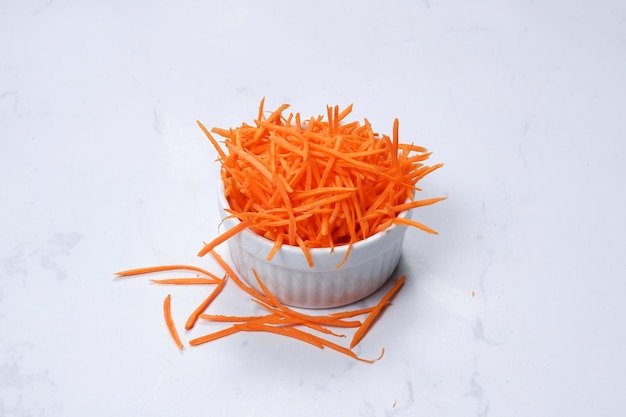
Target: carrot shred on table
[185,281]
[276,307]
[281,319]
[225,318]
[162,268]
[167,311]
[351,313]
[316,182]
[309,338]
[215,335]
[373,315]
[193,318]
[235,328]
[233,276]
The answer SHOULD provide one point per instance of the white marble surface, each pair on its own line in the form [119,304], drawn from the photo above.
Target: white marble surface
[102,168]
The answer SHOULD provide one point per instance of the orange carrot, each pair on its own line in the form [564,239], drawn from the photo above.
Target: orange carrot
[216,145]
[283,310]
[309,338]
[281,319]
[321,183]
[185,281]
[367,323]
[414,204]
[409,222]
[191,321]
[223,318]
[223,238]
[233,276]
[214,336]
[167,311]
[235,328]
[152,269]
[351,313]
[292,316]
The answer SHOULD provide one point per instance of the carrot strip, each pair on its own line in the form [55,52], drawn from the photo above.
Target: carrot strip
[344,113]
[367,323]
[185,281]
[415,204]
[260,116]
[311,339]
[297,317]
[223,238]
[409,222]
[285,311]
[321,190]
[345,258]
[305,251]
[273,301]
[251,159]
[351,313]
[286,331]
[167,311]
[193,318]
[278,241]
[151,269]
[214,336]
[216,145]
[233,276]
[235,328]
[223,318]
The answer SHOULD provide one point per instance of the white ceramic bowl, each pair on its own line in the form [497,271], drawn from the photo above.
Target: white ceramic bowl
[290,278]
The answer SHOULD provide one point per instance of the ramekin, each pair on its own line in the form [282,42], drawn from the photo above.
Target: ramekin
[290,278]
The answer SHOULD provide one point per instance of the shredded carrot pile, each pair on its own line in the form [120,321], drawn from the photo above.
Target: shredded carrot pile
[319,182]
[280,319]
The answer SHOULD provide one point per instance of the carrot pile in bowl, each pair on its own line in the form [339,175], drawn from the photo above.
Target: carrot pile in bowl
[317,183]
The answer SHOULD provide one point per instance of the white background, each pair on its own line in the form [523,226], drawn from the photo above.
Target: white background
[515,309]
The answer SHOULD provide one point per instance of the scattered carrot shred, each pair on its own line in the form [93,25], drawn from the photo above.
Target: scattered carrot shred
[162,268]
[224,318]
[169,322]
[280,319]
[193,318]
[367,323]
[185,281]
[316,183]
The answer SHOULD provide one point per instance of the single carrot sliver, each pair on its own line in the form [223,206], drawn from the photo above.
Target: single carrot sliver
[162,268]
[167,311]
[193,318]
[367,323]
[185,281]
[223,238]
[233,276]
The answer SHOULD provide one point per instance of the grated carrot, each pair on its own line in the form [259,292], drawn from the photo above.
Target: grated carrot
[185,281]
[169,322]
[162,268]
[373,315]
[193,318]
[223,238]
[319,183]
